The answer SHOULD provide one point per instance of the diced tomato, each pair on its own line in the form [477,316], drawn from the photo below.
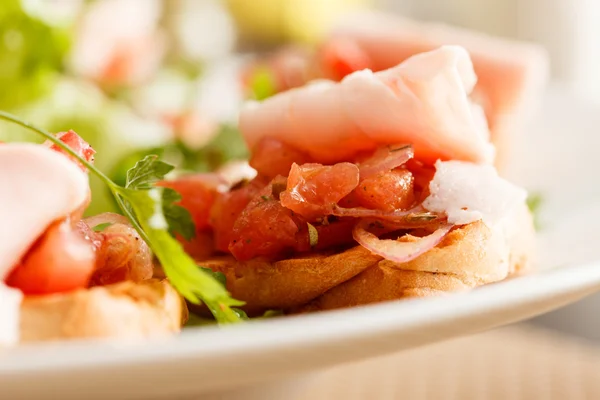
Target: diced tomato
[61,260]
[200,247]
[312,189]
[423,174]
[271,157]
[198,193]
[227,208]
[387,191]
[265,228]
[76,143]
[329,235]
[341,57]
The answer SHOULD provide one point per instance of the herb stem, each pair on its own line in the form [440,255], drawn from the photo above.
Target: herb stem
[14,119]
[114,188]
[129,215]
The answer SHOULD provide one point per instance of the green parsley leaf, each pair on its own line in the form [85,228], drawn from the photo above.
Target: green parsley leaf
[178,218]
[241,313]
[219,276]
[144,208]
[194,283]
[144,175]
[313,235]
[147,172]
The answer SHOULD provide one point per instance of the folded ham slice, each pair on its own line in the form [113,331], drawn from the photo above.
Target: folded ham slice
[39,186]
[511,75]
[424,101]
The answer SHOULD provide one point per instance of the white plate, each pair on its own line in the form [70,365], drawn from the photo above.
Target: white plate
[559,158]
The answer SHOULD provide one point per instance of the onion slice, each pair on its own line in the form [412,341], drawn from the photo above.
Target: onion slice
[385,159]
[416,216]
[395,250]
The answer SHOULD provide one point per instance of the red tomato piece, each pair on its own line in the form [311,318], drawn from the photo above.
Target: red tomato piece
[76,143]
[341,57]
[329,235]
[226,210]
[265,228]
[423,174]
[388,191]
[61,260]
[312,189]
[271,157]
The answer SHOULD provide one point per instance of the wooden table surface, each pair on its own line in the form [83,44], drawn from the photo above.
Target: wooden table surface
[519,362]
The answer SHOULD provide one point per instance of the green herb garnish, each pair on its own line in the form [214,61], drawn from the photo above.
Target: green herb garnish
[534,202]
[143,204]
[313,235]
[144,175]
[101,227]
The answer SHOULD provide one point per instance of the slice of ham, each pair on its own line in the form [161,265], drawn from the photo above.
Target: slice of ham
[511,75]
[39,186]
[423,101]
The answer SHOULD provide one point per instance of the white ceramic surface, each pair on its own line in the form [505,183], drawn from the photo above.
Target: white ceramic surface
[258,360]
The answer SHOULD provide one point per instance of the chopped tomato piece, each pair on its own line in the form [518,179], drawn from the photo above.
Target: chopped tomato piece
[342,57]
[313,189]
[329,235]
[61,260]
[265,228]
[271,157]
[423,174]
[387,191]
[76,143]
[227,208]
[198,193]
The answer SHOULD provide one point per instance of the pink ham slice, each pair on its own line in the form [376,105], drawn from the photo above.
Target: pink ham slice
[38,186]
[511,75]
[423,101]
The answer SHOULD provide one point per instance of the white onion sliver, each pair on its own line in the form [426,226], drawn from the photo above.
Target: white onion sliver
[397,251]
[394,216]
[104,218]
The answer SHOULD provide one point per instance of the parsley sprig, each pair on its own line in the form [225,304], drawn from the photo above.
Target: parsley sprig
[150,209]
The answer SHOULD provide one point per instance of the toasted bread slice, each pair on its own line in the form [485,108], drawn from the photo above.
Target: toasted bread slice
[469,256]
[122,310]
[291,282]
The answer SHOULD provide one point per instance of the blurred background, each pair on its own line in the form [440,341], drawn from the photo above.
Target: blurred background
[168,76]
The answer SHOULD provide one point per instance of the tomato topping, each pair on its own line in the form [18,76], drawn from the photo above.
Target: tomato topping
[423,174]
[341,57]
[61,260]
[388,191]
[227,208]
[329,235]
[313,189]
[198,193]
[265,227]
[76,143]
[271,157]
